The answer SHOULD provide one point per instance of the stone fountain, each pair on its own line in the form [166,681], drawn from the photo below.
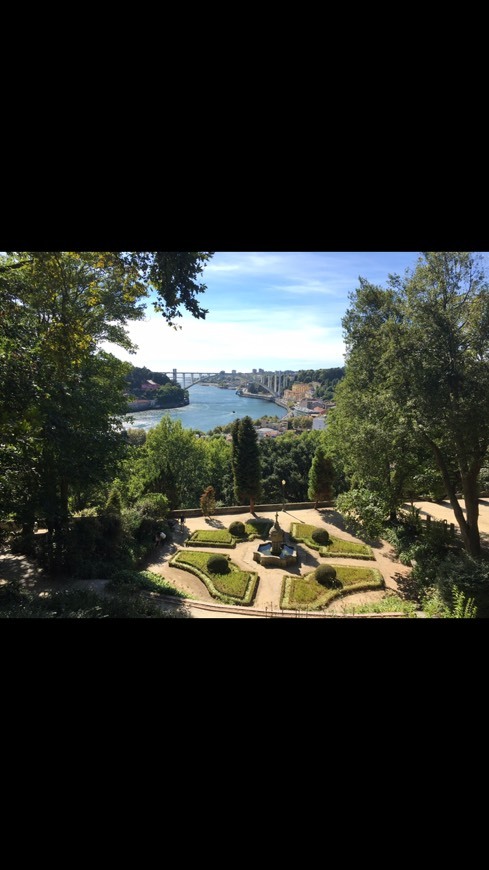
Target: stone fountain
[275,553]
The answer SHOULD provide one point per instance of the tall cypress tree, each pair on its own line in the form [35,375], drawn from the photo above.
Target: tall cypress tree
[320,477]
[245,462]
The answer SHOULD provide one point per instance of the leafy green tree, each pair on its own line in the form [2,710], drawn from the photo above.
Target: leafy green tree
[321,477]
[208,501]
[171,396]
[62,431]
[217,464]
[423,345]
[171,462]
[369,440]
[302,422]
[137,375]
[136,437]
[287,457]
[245,461]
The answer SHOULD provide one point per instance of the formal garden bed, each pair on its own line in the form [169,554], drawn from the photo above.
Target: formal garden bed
[237,533]
[333,546]
[307,593]
[224,580]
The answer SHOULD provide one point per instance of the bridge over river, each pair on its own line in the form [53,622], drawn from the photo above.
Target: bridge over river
[274,382]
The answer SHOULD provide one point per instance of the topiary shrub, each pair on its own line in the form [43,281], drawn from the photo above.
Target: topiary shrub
[237,529]
[320,536]
[218,564]
[326,576]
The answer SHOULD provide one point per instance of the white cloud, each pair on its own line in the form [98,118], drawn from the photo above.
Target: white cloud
[283,342]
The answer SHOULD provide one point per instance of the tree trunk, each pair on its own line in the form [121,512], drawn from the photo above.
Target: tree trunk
[252,505]
[469,528]
[471,496]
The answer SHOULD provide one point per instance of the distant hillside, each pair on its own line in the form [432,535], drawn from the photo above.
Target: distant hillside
[327,378]
[138,376]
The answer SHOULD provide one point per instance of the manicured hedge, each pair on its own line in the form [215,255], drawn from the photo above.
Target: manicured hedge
[337,547]
[326,576]
[237,529]
[301,593]
[235,587]
[226,538]
[211,538]
[217,564]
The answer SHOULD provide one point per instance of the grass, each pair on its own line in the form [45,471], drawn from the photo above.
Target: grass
[337,547]
[258,529]
[211,538]
[234,587]
[224,538]
[389,604]
[299,593]
[137,581]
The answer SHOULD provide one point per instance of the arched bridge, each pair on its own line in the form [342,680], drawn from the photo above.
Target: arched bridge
[274,382]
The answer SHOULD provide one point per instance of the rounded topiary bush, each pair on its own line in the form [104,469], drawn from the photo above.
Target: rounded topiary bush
[320,536]
[237,529]
[218,564]
[326,576]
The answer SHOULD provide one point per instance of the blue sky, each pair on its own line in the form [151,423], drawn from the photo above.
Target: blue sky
[266,310]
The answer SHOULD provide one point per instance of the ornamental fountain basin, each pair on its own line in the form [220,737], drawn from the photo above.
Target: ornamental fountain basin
[264,555]
[275,553]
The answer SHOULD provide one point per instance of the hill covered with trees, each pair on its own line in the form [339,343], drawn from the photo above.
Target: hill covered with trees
[327,378]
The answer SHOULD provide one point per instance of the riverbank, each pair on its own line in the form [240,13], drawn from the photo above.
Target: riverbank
[209,407]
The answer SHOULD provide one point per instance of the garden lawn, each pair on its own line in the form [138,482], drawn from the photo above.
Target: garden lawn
[234,587]
[211,538]
[223,538]
[305,593]
[337,546]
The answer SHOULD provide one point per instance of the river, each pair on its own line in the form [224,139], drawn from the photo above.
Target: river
[209,407]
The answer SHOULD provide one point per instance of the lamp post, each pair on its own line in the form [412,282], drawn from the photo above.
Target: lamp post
[283,493]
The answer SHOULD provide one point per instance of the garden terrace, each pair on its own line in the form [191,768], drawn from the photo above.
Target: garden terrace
[223,537]
[233,587]
[337,547]
[305,593]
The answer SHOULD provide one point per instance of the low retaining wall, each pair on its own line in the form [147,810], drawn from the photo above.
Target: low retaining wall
[245,508]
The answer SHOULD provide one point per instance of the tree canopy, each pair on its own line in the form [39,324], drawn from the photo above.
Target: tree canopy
[416,388]
[61,397]
[245,461]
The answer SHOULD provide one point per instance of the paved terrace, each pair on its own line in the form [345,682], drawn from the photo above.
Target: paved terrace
[270,583]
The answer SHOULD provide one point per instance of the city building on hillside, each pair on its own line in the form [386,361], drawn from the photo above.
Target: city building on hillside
[150,385]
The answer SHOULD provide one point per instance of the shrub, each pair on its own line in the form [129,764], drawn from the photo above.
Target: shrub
[153,504]
[211,538]
[208,501]
[146,580]
[320,536]
[335,547]
[237,529]
[218,564]
[326,576]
